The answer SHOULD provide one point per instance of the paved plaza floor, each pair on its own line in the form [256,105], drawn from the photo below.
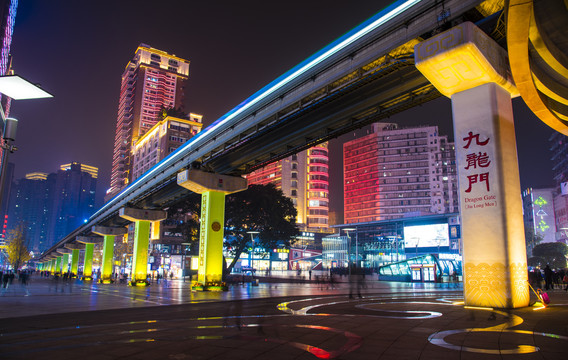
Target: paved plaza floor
[49,320]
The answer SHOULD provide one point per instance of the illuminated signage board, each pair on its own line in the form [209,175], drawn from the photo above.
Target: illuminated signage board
[423,236]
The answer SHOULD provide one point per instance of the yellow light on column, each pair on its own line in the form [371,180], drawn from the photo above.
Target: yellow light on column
[460,59]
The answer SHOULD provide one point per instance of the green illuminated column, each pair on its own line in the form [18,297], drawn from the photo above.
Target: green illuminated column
[213,188]
[88,263]
[108,255]
[142,220]
[53,265]
[74,261]
[211,237]
[89,243]
[109,234]
[140,251]
[65,264]
[58,265]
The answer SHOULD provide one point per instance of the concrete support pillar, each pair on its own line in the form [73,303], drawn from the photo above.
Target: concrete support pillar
[109,234]
[58,265]
[468,66]
[88,262]
[89,242]
[142,220]
[65,264]
[53,265]
[74,262]
[75,249]
[213,188]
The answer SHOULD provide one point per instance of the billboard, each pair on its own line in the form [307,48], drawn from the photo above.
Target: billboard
[430,236]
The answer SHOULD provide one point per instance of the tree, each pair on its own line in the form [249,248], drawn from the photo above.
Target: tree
[184,216]
[532,239]
[262,208]
[16,247]
[175,112]
[553,254]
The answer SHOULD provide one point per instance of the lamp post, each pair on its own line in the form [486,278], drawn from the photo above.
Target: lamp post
[185,244]
[347,230]
[17,88]
[251,259]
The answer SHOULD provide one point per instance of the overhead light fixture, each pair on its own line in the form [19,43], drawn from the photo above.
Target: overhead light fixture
[18,88]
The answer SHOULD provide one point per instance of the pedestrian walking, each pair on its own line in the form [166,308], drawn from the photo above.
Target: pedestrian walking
[548,274]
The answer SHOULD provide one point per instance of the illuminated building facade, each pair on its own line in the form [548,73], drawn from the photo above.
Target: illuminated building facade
[393,173]
[71,199]
[29,207]
[161,140]
[538,214]
[151,81]
[304,178]
[8,9]
[50,206]
[4,207]
[559,149]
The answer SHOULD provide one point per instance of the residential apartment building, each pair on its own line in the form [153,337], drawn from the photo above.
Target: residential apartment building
[161,140]
[152,81]
[398,172]
[29,207]
[50,206]
[559,149]
[304,178]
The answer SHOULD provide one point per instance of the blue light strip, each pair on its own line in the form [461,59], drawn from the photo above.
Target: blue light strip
[341,43]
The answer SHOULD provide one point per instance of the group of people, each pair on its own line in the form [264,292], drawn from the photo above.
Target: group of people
[550,277]
[7,279]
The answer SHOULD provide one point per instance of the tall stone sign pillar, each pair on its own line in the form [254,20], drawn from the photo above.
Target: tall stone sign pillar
[469,67]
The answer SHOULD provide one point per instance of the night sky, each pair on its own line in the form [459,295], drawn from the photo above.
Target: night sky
[77,50]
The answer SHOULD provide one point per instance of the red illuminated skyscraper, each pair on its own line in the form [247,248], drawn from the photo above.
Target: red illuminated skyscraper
[393,173]
[152,80]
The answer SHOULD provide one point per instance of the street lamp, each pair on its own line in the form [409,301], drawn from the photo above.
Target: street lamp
[347,230]
[185,244]
[250,253]
[17,88]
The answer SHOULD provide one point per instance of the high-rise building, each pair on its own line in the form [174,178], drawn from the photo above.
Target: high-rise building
[6,192]
[152,81]
[29,207]
[8,9]
[71,198]
[161,140]
[304,178]
[393,173]
[50,206]
[559,149]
